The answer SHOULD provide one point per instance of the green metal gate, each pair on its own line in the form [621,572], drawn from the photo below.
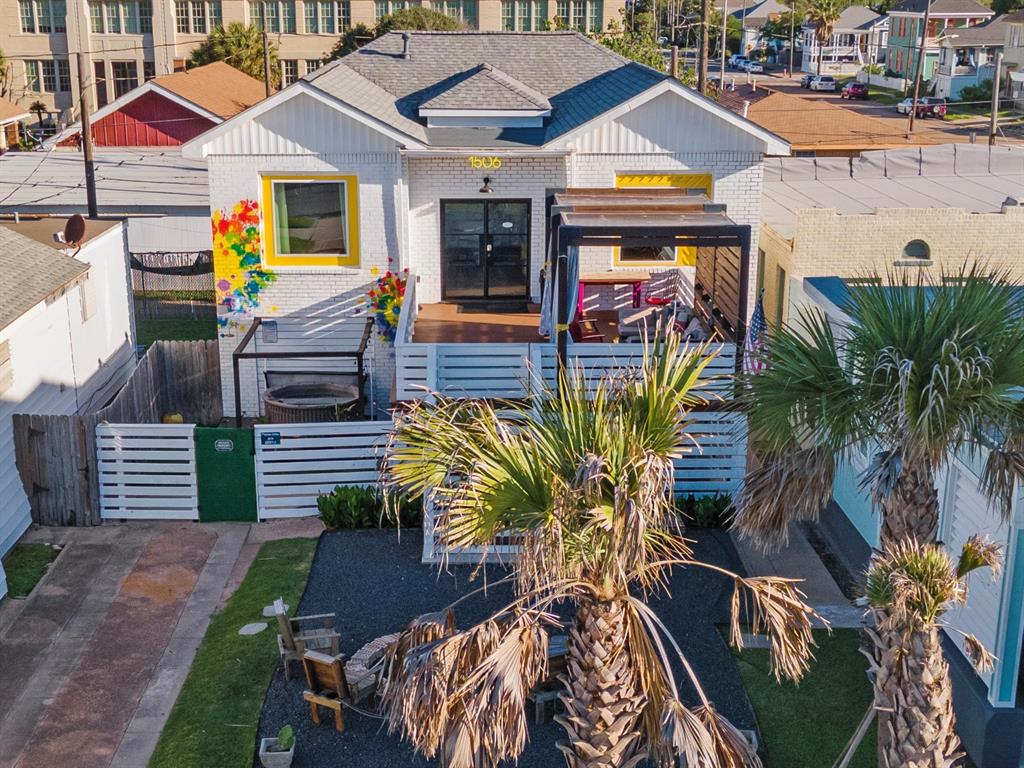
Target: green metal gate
[225,474]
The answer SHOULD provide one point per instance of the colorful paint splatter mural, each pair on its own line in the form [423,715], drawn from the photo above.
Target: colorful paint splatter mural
[237,264]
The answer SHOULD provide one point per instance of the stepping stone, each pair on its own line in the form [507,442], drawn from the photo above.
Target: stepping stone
[252,629]
[268,610]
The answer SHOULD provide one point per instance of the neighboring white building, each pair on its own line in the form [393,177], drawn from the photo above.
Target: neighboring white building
[67,337]
[409,147]
[989,706]
[860,37]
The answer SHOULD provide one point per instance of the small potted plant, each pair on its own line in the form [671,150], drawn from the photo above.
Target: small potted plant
[277,752]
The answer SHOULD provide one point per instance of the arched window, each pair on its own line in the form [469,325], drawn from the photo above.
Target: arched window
[917,249]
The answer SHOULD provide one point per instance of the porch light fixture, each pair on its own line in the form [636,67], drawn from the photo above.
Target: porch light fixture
[486,188]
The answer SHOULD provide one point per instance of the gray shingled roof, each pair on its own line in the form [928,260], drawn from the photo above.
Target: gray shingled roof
[990,34]
[32,272]
[488,88]
[940,7]
[578,77]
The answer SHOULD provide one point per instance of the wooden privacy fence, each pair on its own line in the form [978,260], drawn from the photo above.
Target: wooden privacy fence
[295,463]
[147,471]
[56,455]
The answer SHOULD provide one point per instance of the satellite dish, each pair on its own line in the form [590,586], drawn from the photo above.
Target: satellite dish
[74,232]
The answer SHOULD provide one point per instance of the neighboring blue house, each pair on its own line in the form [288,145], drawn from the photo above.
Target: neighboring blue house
[989,707]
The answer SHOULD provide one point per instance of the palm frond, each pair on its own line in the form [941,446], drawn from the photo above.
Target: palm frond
[979,552]
[732,750]
[786,487]
[776,607]
[981,657]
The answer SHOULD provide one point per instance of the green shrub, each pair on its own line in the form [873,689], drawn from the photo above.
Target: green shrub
[356,506]
[705,511]
[980,92]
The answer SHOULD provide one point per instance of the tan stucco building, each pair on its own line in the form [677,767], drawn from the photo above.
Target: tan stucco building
[128,41]
[933,208]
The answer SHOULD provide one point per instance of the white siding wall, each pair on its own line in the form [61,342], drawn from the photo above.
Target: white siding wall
[62,365]
[966,512]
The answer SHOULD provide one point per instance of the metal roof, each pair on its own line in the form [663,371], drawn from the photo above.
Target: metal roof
[32,273]
[950,176]
[127,181]
[579,77]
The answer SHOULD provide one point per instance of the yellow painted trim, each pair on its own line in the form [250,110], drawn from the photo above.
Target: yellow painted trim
[270,255]
[685,256]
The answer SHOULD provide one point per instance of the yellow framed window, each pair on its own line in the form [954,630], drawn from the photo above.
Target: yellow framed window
[311,221]
[660,257]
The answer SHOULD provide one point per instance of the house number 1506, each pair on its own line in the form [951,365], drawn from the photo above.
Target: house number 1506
[484,163]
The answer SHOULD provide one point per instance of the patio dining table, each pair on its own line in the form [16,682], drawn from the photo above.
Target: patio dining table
[634,278]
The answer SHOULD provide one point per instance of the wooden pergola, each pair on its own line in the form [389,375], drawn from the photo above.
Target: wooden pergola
[656,218]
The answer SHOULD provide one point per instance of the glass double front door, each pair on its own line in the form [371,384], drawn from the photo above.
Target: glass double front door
[485,249]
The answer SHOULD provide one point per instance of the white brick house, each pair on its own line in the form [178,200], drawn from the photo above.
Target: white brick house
[420,136]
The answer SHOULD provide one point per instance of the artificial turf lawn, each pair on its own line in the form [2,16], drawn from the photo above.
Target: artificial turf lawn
[185,329]
[25,566]
[807,725]
[214,721]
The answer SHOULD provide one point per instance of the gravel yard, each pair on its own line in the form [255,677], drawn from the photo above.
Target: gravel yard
[374,582]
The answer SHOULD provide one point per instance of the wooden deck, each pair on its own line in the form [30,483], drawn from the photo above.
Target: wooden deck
[449,323]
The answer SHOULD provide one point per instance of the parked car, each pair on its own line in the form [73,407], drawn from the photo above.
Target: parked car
[805,81]
[735,59]
[929,106]
[823,83]
[854,90]
[753,66]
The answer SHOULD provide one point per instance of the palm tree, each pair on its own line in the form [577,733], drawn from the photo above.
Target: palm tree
[824,14]
[919,372]
[39,109]
[584,480]
[909,588]
[240,46]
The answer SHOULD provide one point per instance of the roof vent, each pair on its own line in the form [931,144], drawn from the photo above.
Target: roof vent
[406,53]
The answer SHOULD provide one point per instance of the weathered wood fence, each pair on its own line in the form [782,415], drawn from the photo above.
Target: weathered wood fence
[56,455]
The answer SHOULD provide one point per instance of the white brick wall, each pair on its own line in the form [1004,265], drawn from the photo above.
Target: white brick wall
[434,179]
[303,290]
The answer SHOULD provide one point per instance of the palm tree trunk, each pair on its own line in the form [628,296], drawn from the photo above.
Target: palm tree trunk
[914,697]
[602,699]
[913,509]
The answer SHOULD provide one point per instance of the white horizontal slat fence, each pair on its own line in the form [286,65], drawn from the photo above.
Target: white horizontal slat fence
[296,463]
[147,471]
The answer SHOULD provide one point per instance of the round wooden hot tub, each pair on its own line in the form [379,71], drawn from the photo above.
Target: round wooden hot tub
[312,402]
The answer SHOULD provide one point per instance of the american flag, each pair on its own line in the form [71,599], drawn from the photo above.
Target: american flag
[753,354]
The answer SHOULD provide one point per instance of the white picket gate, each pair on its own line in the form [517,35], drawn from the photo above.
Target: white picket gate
[147,471]
[296,463]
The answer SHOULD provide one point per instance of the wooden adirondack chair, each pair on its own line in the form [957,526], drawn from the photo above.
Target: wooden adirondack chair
[293,640]
[330,686]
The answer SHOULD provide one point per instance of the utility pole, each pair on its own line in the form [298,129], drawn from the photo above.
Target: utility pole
[86,131]
[993,125]
[792,34]
[266,48]
[702,54]
[721,44]
[673,62]
[919,69]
